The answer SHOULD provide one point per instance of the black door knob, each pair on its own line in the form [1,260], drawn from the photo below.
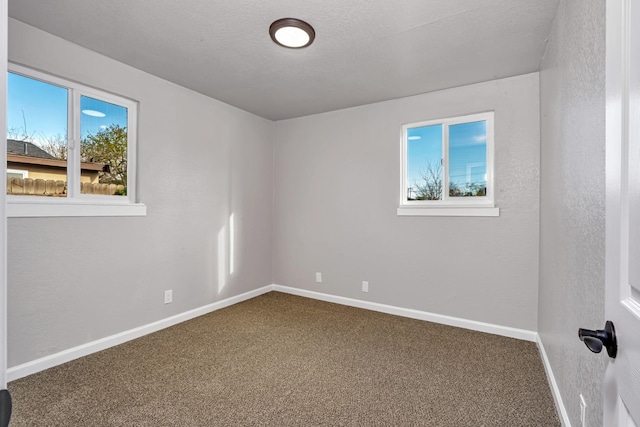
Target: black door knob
[595,340]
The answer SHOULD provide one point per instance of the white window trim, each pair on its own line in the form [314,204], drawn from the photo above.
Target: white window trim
[24,173]
[77,204]
[448,211]
[41,207]
[449,206]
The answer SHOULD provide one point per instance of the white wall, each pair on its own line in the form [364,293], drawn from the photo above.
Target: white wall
[75,280]
[337,189]
[572,220]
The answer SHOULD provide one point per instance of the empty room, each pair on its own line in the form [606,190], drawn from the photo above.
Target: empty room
[289,213]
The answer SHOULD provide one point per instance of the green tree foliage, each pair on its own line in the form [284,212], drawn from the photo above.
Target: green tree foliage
[108,146]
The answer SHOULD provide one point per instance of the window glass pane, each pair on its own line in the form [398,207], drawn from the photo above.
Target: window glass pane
[16,174]
[36,137]
[468,159]
[424,163]
[103,147]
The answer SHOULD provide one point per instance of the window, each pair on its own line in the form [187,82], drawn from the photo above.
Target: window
[16,173]
[447,167]
[71,149]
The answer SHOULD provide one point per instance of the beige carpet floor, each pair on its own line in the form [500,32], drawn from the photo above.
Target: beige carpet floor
[282,360]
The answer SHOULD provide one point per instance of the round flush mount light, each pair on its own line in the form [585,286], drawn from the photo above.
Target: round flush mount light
[292,33]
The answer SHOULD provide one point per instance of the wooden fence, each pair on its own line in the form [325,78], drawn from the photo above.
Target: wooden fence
[49,187]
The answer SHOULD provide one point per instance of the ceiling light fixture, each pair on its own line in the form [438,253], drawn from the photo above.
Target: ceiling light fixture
[292,33]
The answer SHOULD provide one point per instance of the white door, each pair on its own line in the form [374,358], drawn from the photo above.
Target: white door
[622,379]
[3,173]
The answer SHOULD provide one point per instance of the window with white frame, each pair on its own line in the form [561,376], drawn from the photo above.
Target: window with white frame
[75,144]
[447,167]
[16,173]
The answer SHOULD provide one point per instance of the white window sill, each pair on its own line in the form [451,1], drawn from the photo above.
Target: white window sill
[66,208]
[448,211]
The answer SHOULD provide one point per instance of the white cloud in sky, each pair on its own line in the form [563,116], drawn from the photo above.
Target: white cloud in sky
[480,138]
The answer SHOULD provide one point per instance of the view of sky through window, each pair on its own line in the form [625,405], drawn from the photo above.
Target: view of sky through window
[35,110]
[38,111]
[99,115]
[467,152]
[37,117]
[424,151]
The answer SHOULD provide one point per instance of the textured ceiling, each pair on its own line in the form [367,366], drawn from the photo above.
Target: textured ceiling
[365,50]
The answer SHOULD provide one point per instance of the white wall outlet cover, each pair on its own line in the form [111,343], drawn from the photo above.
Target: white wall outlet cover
[319,277]
[365,286]
[168,296]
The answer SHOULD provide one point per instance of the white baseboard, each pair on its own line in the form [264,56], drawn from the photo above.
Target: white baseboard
[521,334]
[555,391]
[68,355]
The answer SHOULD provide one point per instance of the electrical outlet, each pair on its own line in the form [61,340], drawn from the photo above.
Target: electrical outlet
[168,296]
[365,286]
[583,412]
[318,277]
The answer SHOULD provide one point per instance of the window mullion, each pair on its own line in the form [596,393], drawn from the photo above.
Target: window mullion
[70,144]
[73,163]
[445,161]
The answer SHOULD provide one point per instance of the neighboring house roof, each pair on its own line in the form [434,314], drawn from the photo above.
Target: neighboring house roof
[29,153]
[25,148]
